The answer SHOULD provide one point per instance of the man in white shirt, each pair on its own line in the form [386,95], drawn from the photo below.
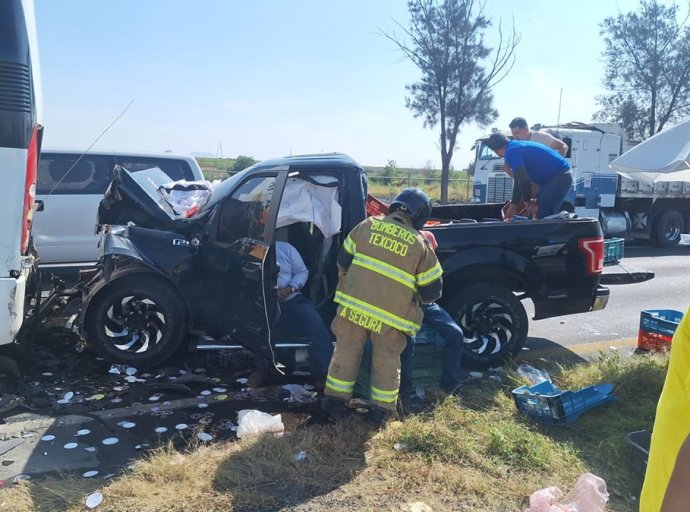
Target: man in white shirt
[299,312]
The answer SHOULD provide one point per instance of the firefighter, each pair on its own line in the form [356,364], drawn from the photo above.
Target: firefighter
[387,270]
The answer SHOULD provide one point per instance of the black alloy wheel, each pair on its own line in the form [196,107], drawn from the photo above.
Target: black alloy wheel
[137,320]
[494,324]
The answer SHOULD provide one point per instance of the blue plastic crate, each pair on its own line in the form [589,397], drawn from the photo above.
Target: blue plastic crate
[547,403]
[613,250]
[428,336]
[660,321]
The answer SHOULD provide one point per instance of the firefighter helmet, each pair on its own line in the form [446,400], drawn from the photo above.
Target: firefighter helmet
[416,203]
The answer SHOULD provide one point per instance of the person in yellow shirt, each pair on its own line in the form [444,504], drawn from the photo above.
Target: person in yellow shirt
[667,480]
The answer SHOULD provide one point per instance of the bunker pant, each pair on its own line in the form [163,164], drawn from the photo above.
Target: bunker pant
[387,345]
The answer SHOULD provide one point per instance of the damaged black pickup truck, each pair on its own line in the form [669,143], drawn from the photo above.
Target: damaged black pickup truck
[207,278]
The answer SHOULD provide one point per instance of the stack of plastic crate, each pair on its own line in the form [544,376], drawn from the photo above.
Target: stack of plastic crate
[656,328]
[426,371]
[613,250]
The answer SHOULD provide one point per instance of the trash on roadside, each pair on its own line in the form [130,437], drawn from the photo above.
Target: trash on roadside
[588,495]
[204,437]
[300,393]
[110,440]
[116,369]
[300,456]
[532,374]
[94,499]
[254,422]
[547,403]
[476,375]
[90,474]
[82,432]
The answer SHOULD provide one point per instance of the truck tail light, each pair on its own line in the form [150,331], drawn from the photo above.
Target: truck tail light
[593,249]
[30,189]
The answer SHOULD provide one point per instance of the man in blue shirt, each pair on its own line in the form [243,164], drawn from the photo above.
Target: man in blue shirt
[533,162]
[297,311]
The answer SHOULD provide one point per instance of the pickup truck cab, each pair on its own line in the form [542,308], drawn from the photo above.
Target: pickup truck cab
[70,185]
[166,275]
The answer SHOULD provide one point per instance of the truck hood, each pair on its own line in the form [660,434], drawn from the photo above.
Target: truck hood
[139,198]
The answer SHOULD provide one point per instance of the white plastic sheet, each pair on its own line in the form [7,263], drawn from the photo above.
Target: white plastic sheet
[588,495]
[304,201]
[252,422]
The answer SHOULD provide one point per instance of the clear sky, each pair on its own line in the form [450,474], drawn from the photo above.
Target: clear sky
[269,78]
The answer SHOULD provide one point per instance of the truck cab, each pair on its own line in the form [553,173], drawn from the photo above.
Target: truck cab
[590,150]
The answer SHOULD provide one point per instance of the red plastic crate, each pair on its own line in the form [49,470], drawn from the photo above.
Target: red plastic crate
[653,341]
[375,206]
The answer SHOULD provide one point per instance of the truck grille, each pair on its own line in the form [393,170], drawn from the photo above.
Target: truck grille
[500,190]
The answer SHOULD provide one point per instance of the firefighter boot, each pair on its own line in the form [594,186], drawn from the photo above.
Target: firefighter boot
[335,407]
[378,415]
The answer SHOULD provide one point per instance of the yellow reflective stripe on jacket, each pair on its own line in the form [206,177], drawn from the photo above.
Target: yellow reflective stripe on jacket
[368,309]
[386,270]
[340,386]
[349,245]
[383,396]
[430,275]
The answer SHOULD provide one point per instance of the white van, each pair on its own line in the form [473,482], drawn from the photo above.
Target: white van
[70,186]
[20,141]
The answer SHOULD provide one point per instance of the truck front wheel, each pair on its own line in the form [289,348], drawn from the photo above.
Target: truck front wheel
[668,228]
[493,321]
[136,320]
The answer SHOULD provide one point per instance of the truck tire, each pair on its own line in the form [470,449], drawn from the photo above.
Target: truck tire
[136,320]
[493,321]
[668,228]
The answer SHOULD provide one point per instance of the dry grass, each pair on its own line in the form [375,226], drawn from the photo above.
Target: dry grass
[475,455]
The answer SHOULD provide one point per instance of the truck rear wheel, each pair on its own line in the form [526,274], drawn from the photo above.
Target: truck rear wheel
[668,228]
[136,320]
[493,321]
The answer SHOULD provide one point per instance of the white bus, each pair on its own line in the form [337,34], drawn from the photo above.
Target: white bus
[20,141]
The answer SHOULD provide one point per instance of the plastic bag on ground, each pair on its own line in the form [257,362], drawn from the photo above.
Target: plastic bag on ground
[253,422]
[533,375]
[588,495]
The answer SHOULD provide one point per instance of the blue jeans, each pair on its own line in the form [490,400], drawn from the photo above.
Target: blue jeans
[300,312]
[440,320]
[552,193]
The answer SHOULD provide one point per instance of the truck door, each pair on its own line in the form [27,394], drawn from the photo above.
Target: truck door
[240,274]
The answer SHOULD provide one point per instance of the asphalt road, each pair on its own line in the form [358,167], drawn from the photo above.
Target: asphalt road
[617,325]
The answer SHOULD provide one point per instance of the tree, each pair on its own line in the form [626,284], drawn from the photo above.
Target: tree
[445,40]
[241,163]
[647,69]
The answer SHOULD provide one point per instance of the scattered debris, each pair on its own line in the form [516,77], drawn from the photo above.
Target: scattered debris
[253,422]
[300,456]
[588,495]
[90,474]
[532,374]
[94,499]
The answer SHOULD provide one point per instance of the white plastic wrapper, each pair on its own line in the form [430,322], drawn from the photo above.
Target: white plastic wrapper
[252,422]
[588,495]
[184,195]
